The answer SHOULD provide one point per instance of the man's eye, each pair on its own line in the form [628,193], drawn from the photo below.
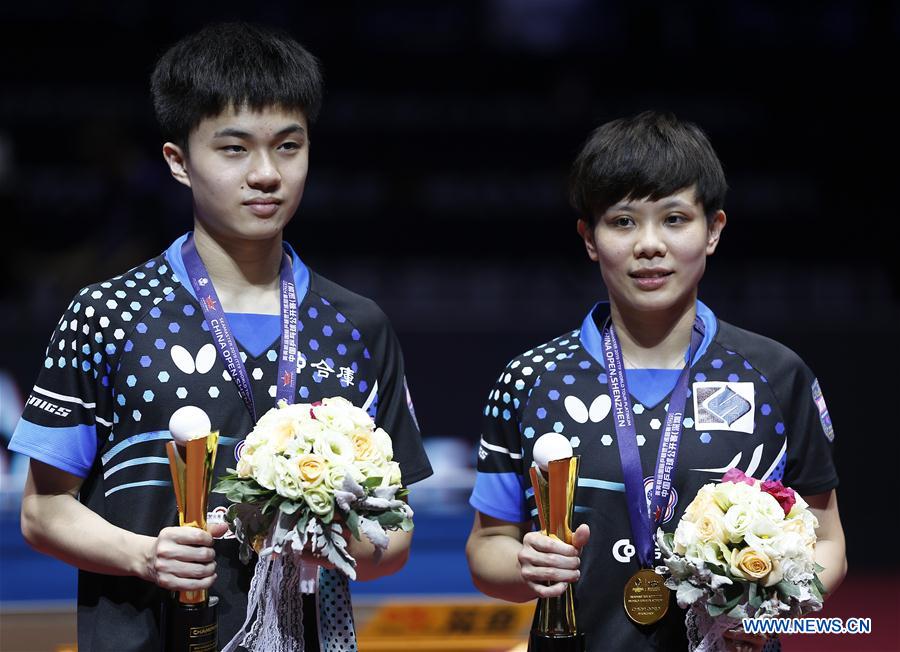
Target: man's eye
[233,149]
[290,146]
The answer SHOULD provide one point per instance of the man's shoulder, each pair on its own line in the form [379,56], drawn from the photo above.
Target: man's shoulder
[361,312]
[125,298]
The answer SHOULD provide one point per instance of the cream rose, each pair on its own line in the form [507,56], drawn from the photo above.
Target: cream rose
[751,564]
[710,528]
[311,469]
[703,503]
[365,447]
[727,494]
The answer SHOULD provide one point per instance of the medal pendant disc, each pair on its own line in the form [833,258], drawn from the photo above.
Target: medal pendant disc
[646,598]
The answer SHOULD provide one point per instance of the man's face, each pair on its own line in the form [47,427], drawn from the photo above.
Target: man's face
[246,170]
[652,254]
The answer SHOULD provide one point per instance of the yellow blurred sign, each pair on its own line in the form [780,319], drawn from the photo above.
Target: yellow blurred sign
[444,625]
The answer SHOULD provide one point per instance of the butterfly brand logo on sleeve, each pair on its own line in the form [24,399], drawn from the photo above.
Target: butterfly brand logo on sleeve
[720,405]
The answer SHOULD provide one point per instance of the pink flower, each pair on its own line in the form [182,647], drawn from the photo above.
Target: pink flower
[785,496]
[736,475]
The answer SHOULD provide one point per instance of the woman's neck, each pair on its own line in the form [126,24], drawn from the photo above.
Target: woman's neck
[245,273]
[654,340]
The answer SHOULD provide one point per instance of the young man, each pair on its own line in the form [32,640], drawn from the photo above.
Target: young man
[649,192]
[235,103]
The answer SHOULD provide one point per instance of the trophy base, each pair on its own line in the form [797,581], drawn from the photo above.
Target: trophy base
[191,627]
[540,642]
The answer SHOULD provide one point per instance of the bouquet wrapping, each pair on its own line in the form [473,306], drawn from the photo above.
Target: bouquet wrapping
[308,478]
[743,549]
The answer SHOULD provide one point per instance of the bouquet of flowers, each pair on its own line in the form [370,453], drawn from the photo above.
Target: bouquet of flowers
[309,476]
[743,549]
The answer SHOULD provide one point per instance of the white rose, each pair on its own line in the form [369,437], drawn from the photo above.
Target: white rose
[685,537]
[766,505]
[333,417]
[384,443]
[287,481]
[334,446]
[737,522]
[393,475]
[264,470]
[727,494]
[799,505]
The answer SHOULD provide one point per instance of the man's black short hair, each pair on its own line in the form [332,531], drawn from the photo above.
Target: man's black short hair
[232,65]
[650,155]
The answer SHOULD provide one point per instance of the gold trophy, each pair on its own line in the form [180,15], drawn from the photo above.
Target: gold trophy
[554,478]
[190,621]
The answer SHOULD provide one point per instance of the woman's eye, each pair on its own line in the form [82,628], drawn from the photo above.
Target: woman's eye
[675,218]
[622,220]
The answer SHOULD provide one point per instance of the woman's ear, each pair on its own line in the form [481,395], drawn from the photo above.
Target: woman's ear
[714,232]
[586,231]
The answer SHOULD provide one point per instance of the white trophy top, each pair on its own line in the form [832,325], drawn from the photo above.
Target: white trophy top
[187,423]
[549,447]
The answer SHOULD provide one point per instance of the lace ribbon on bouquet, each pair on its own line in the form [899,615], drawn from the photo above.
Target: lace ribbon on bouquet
[276,599]
[705,633]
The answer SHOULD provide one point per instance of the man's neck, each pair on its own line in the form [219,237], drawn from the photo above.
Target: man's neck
[654,340]
[244,273]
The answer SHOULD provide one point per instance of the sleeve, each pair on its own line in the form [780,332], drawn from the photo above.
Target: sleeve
[499,489]
[395,411]
[810,465]
[70,405]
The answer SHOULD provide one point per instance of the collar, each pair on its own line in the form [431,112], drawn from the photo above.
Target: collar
[173,257]
[592,339]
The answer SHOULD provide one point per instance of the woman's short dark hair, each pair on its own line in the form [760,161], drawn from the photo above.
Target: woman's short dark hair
[650,155]
[232,65]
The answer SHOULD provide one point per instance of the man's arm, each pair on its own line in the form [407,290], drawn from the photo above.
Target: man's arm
[510,562]
[831,550]
[179,559]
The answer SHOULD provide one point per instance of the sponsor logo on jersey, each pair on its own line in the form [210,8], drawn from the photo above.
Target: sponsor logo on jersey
[720,405]
[819,400]
[670,505]
[49,407]
[239,449]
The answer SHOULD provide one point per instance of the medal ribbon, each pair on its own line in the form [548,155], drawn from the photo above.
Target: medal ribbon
[224,339]
[643,522]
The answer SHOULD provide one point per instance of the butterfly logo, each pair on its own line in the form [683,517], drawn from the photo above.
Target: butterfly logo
[201,363]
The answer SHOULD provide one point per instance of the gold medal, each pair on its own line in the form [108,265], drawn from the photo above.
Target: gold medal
[646,597]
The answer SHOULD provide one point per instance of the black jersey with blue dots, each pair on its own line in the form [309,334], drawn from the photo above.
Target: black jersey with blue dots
[752,404]
[130,351]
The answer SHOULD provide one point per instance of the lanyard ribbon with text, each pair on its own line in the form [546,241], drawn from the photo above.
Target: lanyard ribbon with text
[643,522]
[224,339]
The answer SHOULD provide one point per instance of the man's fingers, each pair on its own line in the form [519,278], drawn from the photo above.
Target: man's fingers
[216,530]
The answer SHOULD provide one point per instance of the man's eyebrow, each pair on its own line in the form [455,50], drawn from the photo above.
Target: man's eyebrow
[234,132]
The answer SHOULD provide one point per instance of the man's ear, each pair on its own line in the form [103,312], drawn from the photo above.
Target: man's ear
[714,232]
[586,231]
[177,161]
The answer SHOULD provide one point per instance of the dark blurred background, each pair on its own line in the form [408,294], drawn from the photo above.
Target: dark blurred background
[438,180]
